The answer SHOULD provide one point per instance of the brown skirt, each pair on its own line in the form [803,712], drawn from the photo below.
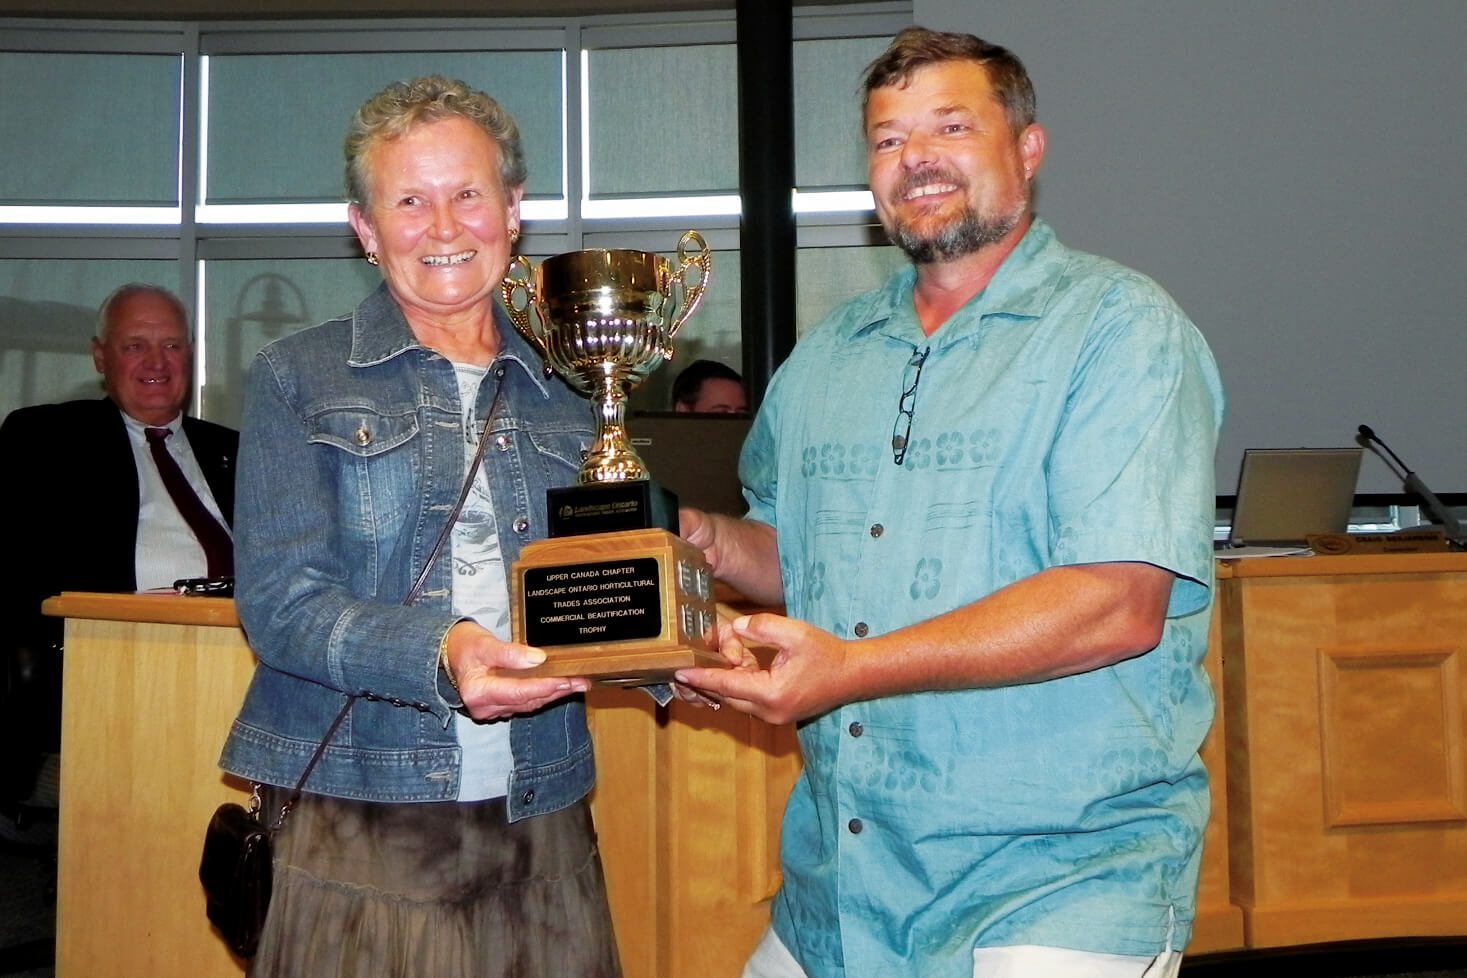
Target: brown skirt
[436,890]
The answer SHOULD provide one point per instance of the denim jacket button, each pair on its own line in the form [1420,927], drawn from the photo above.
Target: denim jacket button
[501,442]
[521,525]
[528,797]
[363,436]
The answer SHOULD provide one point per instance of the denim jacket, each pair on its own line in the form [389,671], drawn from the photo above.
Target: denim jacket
[351,459]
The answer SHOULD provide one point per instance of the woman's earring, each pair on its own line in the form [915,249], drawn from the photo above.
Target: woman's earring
[372,258]
[514,235]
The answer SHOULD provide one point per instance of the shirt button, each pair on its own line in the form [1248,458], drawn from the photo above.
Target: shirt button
[855,826]
[521,525]
[861,629]
[877,530]
[501,442]
[856,729]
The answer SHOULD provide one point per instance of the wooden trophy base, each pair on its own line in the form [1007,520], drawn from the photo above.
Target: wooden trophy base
[626,608]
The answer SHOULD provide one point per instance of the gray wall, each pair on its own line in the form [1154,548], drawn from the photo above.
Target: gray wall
[1292,171]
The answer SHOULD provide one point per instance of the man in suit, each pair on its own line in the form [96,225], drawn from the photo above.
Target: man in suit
[85,507]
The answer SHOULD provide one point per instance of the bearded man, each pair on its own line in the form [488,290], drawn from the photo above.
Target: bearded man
[984,493]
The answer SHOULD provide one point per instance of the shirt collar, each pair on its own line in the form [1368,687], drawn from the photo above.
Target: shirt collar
[138,427]
[1022,287]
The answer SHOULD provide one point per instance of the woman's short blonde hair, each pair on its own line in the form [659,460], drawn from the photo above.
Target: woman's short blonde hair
[402,106]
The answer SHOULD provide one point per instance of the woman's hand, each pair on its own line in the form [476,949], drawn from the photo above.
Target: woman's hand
[483,667]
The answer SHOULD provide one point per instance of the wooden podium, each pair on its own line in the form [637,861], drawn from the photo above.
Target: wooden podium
[1338,763]
[1344,687]
[150,685]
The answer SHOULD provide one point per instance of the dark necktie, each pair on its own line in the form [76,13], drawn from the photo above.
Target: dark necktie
[218,548]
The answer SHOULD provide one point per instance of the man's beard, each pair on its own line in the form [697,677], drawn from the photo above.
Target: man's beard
[968,232]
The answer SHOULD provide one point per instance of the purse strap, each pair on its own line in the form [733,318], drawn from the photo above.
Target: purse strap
[413,594]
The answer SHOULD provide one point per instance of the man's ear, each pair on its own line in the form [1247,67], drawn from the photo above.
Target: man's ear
[1031,149]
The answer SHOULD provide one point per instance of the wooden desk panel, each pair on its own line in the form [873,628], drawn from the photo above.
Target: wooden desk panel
[1347,774]
[146,707]
[1219,922]
[687,806]
[1340,811]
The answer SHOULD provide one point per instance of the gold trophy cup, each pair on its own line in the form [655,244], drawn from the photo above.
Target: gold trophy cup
[614,593]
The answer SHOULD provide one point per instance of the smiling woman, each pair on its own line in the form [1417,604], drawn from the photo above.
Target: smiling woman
[440,219]
[430,840]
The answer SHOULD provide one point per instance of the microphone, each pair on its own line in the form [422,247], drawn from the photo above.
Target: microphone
[1413,484]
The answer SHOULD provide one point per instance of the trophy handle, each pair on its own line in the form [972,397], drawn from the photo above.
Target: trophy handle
[521,317]
[692,294]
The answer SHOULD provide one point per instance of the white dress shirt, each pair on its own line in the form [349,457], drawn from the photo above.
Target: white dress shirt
[166,548]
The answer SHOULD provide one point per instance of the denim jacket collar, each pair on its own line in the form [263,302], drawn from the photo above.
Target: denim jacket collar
[379,332]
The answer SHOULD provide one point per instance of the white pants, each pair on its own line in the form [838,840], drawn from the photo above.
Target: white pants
[771,959]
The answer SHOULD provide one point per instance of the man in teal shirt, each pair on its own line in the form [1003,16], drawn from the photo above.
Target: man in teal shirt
[984,494]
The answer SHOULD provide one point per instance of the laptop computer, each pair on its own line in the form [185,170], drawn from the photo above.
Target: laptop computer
[1286,494]
[694,455]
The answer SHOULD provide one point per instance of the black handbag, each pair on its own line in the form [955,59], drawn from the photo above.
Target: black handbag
[237,875]
[236,868]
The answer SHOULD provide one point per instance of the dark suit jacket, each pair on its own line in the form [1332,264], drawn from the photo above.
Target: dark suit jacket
[69,504]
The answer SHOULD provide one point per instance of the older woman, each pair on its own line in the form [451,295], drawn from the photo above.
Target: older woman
[444,831]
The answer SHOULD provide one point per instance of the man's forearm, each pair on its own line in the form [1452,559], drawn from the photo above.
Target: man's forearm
[1060,622]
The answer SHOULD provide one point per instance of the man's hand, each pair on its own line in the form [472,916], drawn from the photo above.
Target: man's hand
[742,553]
[483,667]
[807,675]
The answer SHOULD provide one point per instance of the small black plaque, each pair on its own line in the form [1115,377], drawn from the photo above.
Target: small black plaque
[601,601]
[611,506]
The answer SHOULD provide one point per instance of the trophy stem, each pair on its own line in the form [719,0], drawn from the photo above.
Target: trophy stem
[612,458]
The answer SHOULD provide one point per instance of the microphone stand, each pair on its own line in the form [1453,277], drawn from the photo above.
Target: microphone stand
[1413,484]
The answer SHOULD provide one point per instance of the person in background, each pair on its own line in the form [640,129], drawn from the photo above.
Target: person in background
[89,509]
[984,493]
[445,832]
[709,387]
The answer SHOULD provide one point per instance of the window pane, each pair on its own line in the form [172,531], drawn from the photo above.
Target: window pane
[48,316]
[277,122]
[663,121]
[119,140]
[826,277]
[250,303]
[829,147]
[713,332]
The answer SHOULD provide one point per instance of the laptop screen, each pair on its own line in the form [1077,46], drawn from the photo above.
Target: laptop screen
[694,455]
[1286,494]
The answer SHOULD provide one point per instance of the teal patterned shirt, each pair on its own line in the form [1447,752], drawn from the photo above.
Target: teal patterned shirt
[1066,415]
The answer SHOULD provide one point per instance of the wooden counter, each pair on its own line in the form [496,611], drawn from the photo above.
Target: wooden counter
[1339,778]
[150,684]
[687,806]
[1343,685]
